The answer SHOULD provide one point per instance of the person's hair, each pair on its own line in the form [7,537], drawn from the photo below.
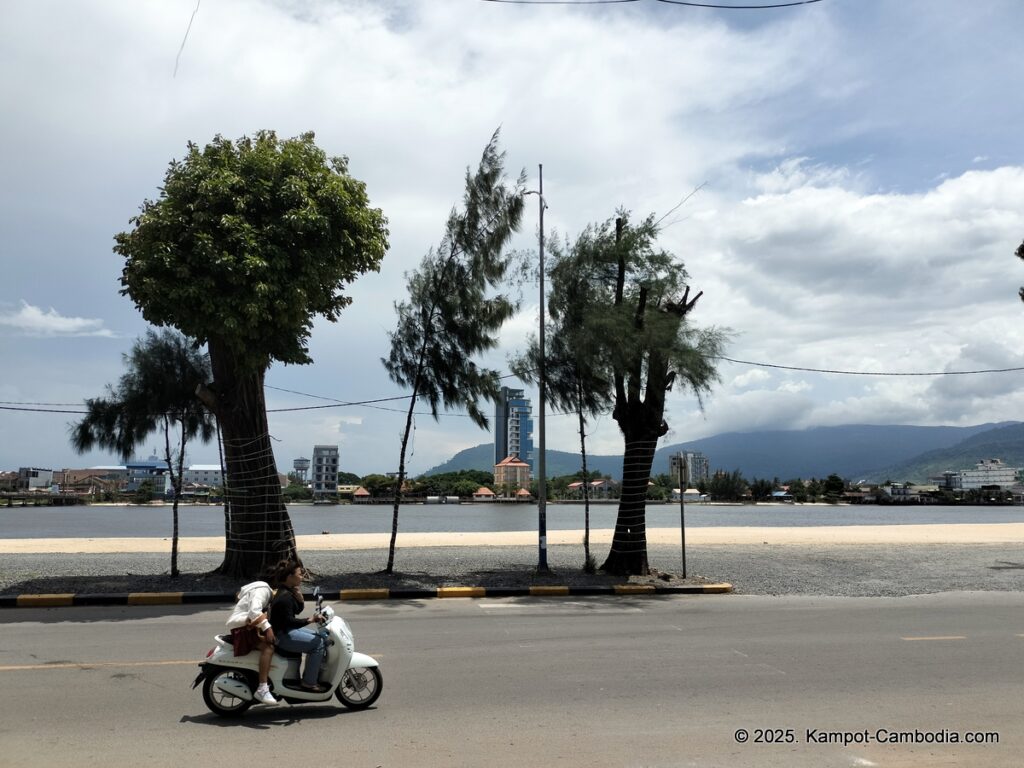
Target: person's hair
[284,568]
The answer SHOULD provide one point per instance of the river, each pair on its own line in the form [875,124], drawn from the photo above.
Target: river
[103,521]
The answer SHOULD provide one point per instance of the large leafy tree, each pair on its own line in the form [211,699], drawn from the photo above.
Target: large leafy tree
[156,393]
[247,243]
[453,312]
[636,313]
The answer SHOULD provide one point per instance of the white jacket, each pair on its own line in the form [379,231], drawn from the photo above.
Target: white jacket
[253,600]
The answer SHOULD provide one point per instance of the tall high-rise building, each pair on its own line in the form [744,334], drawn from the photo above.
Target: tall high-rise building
[697,467]
[513,426]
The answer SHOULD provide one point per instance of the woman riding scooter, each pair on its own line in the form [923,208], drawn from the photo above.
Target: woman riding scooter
[289,629]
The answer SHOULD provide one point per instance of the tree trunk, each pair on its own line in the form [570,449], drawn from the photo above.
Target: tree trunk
[586,479]
[399,481]
[628,553]
[259,532]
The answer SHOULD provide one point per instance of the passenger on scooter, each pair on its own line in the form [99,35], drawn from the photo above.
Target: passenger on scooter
[250,628]
[289,629]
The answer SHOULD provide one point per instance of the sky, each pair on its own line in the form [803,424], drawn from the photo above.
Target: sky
[859,165]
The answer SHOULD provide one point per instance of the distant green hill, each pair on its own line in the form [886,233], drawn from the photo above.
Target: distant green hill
[855,452]
[1006,443]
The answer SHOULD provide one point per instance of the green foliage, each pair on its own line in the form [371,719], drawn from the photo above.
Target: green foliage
[348,478]
[454,483]
[248,241]
[645,339]
[797,490]
[297,492]
[727,486]
[144,493]
[452,314]
[833,487]
[162,372]
[378,485]
[761,490]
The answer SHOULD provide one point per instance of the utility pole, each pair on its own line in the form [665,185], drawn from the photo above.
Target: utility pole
[542,480]
[683,480]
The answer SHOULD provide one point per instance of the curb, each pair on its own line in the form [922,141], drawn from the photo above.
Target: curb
[193,598]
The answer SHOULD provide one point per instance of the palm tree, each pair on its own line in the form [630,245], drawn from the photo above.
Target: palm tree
[156,392]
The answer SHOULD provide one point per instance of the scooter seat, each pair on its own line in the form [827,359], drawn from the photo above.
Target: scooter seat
[279,651]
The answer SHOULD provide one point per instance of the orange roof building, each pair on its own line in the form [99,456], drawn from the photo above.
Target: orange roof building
[511,472]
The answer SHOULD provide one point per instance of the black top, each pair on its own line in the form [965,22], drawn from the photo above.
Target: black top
[284,610]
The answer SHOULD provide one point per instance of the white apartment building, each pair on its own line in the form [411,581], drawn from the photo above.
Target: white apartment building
[34,478]
[324,470]
[203,474]
[988,472]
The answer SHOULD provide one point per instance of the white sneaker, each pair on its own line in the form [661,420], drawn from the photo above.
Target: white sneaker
[263,695]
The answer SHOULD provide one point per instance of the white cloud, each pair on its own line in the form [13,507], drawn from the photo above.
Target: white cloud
[825,237]
[34,321]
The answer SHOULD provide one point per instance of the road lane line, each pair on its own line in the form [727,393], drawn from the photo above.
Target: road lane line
[94,665]
[937,637]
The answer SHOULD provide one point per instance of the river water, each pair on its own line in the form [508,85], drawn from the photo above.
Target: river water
[100,521]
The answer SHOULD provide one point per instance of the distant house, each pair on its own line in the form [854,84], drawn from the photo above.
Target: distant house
[603,489]
[691,495]
[782,496]
[8,481]
[360,495]
[34,479]
[483,494]
[523,495]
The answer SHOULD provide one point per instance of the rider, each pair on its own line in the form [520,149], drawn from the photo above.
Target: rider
[289,629]
[250,628]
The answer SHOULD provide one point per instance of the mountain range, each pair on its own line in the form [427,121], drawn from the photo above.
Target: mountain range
[856,452]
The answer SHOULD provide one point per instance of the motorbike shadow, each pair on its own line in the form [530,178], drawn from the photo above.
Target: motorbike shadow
[265,718]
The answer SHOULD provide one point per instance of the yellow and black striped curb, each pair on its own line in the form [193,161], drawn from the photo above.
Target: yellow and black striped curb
[192,598]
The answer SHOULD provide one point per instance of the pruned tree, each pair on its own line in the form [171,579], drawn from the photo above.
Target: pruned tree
[636,310]
[156,393]
[453,312]
[246,244]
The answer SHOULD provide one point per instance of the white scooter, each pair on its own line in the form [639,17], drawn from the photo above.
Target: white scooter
[229,681]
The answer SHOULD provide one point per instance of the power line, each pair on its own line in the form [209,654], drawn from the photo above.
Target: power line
[562,2]
[740,7]
[871,373]
[18,405]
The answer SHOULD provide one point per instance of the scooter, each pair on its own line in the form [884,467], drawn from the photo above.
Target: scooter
[229,681]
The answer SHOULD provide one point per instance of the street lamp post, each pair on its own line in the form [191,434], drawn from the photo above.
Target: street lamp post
[542,488]
[683,480]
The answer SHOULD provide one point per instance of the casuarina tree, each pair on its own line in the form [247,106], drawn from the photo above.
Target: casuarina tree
[246,244]
[454,310]
[636,310]
[577,367]
[156,393]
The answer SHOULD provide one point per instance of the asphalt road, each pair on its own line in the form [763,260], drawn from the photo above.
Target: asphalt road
[554,682]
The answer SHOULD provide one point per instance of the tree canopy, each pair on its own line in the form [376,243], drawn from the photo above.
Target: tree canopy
[248,242]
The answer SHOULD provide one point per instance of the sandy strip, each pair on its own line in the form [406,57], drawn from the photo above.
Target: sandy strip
[996,533]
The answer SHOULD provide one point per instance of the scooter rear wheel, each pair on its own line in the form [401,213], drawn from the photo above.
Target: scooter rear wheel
[223,703]
[360,687]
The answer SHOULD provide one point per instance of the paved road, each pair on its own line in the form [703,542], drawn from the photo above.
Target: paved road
[524,682]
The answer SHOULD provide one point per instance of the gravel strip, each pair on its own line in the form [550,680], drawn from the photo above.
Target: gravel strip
[861,570]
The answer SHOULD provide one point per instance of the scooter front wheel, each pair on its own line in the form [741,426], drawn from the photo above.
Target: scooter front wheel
[360,687]
[220,701]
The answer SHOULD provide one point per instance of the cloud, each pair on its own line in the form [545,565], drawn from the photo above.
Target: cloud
[31,320]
